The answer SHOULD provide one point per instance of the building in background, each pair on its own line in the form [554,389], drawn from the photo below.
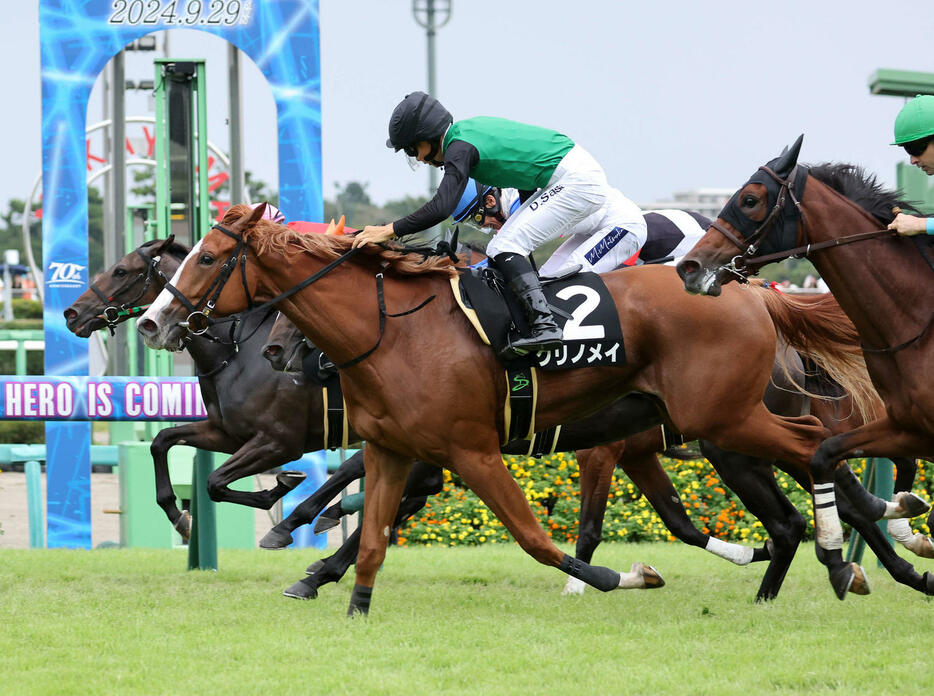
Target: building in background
[706,201]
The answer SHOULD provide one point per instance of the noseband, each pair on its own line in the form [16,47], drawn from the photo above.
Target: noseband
[740,265]
[112,313]
[199,321]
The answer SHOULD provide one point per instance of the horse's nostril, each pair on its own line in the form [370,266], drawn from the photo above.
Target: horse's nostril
[271,351]
[70,313]
[147,327]
[687,267]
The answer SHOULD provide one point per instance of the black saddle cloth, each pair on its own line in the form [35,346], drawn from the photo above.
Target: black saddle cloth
[582,305]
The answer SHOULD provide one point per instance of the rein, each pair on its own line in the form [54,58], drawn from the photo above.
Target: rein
[740,265]
[112,314]
[199,321]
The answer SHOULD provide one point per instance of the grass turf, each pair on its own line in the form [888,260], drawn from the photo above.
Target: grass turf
[476,620]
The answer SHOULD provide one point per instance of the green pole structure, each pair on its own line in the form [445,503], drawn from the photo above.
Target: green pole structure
[34,503]
[183,209]
[202,547]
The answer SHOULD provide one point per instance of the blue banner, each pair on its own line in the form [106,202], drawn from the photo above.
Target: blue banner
[101,398]
[77,39]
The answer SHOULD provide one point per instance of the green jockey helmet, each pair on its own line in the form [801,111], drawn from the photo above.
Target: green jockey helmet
[915,120]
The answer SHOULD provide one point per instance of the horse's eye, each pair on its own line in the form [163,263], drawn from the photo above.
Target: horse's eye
[119,272]
[206,259]
[749,201]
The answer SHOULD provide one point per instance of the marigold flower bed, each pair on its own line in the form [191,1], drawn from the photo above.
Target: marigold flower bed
[551,484]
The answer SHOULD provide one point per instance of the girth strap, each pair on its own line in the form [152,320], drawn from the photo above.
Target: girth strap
[521,400]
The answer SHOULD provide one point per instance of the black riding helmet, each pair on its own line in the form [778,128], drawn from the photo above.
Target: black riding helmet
[417,117]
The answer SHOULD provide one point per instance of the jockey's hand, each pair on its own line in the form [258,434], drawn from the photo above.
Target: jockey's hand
[373,234]
[908,225]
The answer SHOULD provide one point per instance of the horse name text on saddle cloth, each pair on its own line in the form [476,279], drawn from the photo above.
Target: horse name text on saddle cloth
[585,311]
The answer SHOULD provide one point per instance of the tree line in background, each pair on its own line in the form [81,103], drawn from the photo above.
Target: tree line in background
[351,200]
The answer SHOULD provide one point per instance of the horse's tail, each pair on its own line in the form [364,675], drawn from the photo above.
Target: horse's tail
[816,327]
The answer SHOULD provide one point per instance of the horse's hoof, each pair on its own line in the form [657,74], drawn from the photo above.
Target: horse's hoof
[921,545]
[849,578]
[183,525]
[650,577]
[314,567]
[274,539]
[290,479]
[910,505]
[301,590]
[573,587]
[323,524]
[860,583]
[928,583]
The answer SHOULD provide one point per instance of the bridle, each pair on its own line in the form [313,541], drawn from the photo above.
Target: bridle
[740,265]
[748,262]
[112,313]
[199,321]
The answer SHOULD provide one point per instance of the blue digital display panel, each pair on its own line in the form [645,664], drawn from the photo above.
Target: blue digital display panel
[78,38]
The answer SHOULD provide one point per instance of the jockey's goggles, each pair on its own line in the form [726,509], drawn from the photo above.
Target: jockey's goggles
[916,148]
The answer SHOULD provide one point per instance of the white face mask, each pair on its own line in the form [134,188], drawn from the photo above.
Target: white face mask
[413,163]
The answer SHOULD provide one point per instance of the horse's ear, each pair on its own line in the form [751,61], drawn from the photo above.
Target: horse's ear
[789,158]
[331,227]
[258,213]
[340,227]
[164,245]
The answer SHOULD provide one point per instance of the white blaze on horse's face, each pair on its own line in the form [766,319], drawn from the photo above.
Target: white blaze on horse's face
[158,308]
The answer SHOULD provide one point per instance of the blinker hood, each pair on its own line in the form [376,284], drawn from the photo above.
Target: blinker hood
[784,231]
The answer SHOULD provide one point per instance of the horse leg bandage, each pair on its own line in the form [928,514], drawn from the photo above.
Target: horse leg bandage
[604,579]
[735,553]
[360,601]
[829,531]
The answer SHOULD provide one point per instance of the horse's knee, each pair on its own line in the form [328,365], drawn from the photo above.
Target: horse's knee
[370,557]
[217,486]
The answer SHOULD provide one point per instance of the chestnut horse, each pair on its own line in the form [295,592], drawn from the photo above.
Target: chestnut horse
[835,214]
[749,477]
[405,378]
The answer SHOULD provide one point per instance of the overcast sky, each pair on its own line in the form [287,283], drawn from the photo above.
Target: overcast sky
[667,95]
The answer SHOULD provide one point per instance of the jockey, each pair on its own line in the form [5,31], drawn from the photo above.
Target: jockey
[914,131]
[560,184]
[603,241]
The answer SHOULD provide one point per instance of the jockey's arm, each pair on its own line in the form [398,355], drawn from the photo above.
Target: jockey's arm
[459,158]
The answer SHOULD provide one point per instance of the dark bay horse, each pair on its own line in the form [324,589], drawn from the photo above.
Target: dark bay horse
[404,409]
[835,214]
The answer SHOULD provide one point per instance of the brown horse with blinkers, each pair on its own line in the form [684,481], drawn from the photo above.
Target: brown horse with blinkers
[835,215]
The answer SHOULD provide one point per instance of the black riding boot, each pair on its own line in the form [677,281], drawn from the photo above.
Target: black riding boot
[545,334]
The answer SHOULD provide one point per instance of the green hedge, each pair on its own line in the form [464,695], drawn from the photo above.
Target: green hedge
[457,517]
[22,432]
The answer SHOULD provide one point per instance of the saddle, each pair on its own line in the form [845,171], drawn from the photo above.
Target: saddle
[581,305]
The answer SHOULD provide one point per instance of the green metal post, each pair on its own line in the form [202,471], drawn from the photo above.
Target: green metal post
[34,504]
[202,547]
[21,358]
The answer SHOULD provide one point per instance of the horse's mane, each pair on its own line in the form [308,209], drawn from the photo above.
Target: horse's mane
[863,188]
[179,251]
[266,235]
